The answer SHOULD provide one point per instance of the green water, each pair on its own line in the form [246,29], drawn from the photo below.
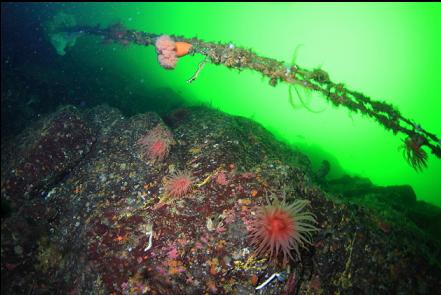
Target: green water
[388,51]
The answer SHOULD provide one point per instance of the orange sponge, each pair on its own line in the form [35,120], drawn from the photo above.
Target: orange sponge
[182,48]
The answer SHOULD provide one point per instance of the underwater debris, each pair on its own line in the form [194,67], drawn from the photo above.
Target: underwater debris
[169,48]
[118,34]
[149,233]
[291,72]
[281,277]
[58,37]
[196,74]
[302,101]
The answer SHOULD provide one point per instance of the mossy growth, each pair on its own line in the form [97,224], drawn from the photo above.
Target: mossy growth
[49,256]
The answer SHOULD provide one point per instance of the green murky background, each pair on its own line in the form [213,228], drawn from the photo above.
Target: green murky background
[388,51]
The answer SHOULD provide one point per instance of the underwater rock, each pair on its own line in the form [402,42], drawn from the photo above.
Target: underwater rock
[323,171]
[43,154]
[119,232]
[401,196]
[349,186]
[395,198]
[233,139]
[427,217]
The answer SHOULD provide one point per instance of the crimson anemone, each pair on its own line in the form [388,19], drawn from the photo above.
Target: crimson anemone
[283,227]
[178,184]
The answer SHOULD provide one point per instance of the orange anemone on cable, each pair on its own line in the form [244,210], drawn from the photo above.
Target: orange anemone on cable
[182,48]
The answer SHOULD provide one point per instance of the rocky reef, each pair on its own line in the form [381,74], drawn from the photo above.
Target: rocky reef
[83,212]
